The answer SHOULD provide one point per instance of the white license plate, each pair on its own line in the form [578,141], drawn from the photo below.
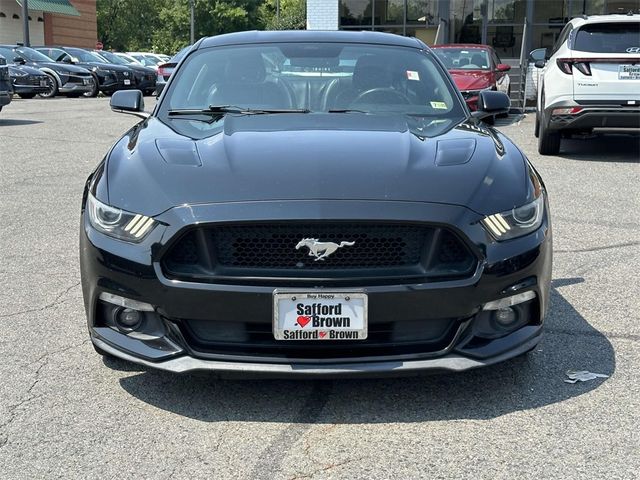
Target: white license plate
[127,82]
[43,83]
[629,72]
[319,316]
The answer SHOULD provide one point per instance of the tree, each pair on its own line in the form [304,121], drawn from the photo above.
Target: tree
[126,24]
[293,15]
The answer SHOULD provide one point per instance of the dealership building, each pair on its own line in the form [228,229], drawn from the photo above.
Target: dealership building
[51,22]
[499,23]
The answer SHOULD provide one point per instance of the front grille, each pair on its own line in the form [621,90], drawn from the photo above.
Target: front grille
[268,250]
[210,337]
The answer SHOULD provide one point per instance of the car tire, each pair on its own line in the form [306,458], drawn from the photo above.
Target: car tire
[26,96]
[94,89]
[536,129]
[53,87]
[548,141]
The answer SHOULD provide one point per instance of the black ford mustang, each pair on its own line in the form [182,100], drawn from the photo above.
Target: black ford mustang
[314,203]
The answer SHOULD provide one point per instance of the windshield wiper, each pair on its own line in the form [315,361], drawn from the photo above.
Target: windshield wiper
[345,110]
[218,110]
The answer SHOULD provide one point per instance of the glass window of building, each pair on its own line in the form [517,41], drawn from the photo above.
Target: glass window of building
[388,12]
[423,12]
[355,12]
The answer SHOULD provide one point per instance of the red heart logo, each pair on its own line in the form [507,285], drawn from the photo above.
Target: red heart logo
[322,334]
[303,321]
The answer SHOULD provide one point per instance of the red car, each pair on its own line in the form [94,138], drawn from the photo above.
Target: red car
[474,68]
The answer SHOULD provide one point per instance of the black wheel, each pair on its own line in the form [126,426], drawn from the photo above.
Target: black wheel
[548,141]
[52,85]
[26,96]
[536,130]
[94,89]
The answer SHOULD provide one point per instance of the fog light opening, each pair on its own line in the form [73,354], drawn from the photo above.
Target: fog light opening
[505,317]
[127,319]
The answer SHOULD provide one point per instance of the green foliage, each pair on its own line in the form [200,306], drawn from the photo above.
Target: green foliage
[164,25]
[293,15]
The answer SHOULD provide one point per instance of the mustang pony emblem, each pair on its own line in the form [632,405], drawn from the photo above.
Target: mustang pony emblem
[321,250]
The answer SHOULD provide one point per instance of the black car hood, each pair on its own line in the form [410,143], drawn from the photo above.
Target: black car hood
[312,157]
[25,69]
[58,66]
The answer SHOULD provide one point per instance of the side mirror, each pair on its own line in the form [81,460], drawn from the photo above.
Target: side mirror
[19,61]
[128,101]
[548,53]
[540,64]
[75,60]
[66,59]
[503,67]
[492,103]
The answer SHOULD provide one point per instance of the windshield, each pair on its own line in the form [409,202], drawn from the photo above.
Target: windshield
[464,58]
[33,55]
[85,56]
[608,38]
[318,77]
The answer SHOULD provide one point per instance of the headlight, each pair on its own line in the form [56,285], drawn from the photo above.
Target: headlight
[18,73]
[516,222]
[130,227]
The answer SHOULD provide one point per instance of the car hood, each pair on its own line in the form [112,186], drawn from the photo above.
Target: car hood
[106,66]
[313,157]
[58,66]
[471,79]
[13,69]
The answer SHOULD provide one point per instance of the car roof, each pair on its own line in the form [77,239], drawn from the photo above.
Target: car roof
[463,45]
[312,36]
[611,18]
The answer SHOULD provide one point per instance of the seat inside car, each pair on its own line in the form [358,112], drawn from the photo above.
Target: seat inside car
[370,72]
[246,84]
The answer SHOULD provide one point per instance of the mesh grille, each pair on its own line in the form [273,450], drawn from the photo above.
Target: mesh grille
[363,246]
[358,250]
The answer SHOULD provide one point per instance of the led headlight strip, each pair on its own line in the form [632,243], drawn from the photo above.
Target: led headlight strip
[496,224]
[139,225]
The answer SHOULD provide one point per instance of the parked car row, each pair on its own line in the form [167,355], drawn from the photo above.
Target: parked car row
[49,71]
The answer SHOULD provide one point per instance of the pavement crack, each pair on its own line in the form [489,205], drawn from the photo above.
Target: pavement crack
[57,301]
[597,249]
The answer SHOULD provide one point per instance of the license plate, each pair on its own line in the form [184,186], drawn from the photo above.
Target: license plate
[43,83]
[629,72]
[319,316]
[127,82]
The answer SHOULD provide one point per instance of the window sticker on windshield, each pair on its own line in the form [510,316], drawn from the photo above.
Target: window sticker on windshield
[411,75]
[439,105]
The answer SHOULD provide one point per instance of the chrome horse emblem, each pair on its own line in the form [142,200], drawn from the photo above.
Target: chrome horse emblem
[321,250]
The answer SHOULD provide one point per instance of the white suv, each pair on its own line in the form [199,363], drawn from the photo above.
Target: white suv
[591,79]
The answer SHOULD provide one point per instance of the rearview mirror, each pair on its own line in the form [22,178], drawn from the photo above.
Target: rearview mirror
[503,67]
[128,101]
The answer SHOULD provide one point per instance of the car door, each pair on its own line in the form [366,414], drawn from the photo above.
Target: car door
[502,78]
[611,66]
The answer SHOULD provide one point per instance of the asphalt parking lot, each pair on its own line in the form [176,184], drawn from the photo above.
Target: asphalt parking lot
[66,413]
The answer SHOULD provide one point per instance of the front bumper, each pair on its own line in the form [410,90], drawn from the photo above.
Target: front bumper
[133,271]
[30,87]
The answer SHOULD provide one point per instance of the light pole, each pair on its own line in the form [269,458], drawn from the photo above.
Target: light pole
[193,33]
[25,24]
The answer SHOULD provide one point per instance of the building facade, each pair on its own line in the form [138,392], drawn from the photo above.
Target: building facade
[51,22]
[499,23]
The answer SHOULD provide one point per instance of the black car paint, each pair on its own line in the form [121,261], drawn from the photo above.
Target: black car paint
[384,171]
[111,77]
[145,77]
[28,81]
[6,90]
[69,77]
